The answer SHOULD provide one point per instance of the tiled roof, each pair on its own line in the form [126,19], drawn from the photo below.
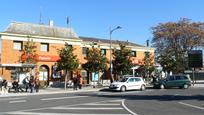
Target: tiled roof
[40,30]
[97,40]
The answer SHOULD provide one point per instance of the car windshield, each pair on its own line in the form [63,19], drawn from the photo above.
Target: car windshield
[123,80]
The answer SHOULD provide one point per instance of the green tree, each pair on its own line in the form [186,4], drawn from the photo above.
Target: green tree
[173,40]
[147,65]
[29,52]
[68,61]
[96,61]
[122,63]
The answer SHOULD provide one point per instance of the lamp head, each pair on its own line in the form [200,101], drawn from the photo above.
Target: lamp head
[118,27]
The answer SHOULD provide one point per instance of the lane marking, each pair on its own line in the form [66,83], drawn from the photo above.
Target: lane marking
[123,104]
[193,106]
[37,113]
[111,104]
[5,99]
[59,98]
[86,108]
[15,112]
[19,101]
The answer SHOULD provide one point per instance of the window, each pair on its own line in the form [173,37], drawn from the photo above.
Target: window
[131,80]
[134,53]
[44,47]
[170,78]
[17,45]
[84,50]
[137,79]
[103,51]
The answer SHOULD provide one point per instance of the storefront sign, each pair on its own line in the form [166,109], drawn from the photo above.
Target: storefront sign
[47,58]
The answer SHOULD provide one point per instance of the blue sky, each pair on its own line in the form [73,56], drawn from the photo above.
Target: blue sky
[93,18]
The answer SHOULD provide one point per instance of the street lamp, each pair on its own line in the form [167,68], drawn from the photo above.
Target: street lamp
[111,31]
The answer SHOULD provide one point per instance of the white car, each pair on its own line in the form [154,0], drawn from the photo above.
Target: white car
[128,83]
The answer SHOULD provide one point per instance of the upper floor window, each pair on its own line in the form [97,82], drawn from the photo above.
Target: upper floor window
[134,54]
[44,47]
[103,51]
[17,45]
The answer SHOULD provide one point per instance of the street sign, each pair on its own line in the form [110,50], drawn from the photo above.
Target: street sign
[195,59]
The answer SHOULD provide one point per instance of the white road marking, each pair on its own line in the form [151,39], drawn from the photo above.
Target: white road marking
[37,113]
[88,108]
[18,101]
[193,106]
[58,98]
[107,104]
[5,99]
[123,104]
[28,111]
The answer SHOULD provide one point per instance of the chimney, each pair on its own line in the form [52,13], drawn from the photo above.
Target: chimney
[147,43]
[51,23]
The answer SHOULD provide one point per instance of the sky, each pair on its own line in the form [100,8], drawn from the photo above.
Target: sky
[94,18]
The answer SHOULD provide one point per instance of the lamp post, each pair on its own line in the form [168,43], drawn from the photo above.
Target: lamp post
[111,31]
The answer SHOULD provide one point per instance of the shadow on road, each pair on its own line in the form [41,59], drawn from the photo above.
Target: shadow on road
[142,96]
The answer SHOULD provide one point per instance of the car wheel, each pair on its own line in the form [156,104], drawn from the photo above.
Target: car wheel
[123,88]
[142,88]
[185,86]
[162,86]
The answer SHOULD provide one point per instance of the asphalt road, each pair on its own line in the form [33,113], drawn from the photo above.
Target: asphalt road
[150,102]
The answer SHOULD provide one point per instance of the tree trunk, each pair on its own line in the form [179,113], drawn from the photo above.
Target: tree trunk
[65,79]
[87,77]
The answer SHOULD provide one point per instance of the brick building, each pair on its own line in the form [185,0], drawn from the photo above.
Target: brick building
[48,40]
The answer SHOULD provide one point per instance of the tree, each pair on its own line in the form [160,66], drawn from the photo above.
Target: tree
[122,63]
[147,65]
[68,61]
[173,40]
[29,52]
[96,61]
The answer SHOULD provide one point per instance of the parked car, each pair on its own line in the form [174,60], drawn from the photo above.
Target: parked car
[128,83]
[181,81]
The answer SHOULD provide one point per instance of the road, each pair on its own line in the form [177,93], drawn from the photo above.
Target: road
[150,102]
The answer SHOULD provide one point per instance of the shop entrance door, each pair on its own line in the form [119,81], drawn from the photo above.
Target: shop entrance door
[44,75]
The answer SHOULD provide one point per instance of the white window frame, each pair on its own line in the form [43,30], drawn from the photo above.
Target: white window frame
[17,45]
[44,47]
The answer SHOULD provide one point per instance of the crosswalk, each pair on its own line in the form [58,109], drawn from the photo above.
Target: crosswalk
[113,107]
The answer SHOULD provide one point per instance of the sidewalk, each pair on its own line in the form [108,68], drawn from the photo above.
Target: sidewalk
[51,90]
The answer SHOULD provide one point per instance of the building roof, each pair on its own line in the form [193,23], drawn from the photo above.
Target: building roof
[97,40]
[40,30]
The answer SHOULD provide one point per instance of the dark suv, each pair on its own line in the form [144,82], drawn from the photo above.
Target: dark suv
[181,81]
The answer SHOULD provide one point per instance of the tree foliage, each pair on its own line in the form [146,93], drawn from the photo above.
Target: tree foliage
[122,63]
[68,61]
[29,52]
[173,40]
[147,65]
[96,61]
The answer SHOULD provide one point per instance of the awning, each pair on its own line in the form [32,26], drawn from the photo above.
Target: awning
[20,65]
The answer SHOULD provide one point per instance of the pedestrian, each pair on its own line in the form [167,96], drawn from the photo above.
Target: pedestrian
[32,84]
[79,80]
[37,84]
[4,87]
[15,86]
[26,83]
[1,84]
[75,81]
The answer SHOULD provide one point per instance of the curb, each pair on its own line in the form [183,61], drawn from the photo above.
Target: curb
[48,92]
